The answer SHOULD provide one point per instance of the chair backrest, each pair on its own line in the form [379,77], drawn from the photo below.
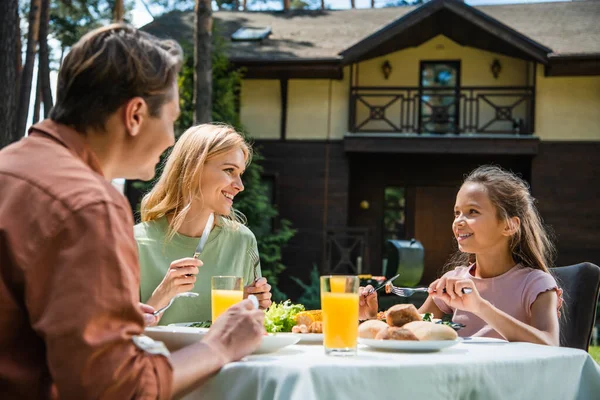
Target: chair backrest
[580,284]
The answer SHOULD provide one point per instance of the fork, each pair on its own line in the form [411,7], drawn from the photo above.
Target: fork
[185,294]
[407,292]
[255,259]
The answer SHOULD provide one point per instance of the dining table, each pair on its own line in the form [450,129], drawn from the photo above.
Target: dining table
[467,370]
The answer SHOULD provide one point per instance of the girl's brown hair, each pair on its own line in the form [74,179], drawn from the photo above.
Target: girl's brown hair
[531,244]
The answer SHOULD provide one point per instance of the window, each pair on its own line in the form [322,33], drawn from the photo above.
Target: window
[439,86]
[394,213]
[251,34]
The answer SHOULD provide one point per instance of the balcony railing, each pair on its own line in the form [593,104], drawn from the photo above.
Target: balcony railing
[485,110]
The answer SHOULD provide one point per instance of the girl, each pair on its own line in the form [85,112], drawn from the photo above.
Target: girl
[191,205]
[504,255]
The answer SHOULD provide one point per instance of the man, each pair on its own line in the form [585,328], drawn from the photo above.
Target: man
[70,322]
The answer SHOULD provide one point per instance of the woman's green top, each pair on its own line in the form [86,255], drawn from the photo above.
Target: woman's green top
[225,253]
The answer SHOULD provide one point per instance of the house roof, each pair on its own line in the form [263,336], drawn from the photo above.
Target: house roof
[564,28]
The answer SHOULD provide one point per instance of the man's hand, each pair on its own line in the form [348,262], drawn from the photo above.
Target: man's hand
[180,278]
[367,305]
[149,318]
[262,290]
[237,332]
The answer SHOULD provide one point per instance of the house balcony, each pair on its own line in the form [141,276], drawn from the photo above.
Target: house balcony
[462,120]
[440,111]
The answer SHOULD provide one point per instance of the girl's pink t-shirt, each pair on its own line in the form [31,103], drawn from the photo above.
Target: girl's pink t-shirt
[512,292]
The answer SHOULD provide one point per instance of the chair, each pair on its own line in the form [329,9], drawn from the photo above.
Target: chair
[580,284]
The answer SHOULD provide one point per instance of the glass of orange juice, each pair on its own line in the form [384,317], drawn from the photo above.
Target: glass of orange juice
[339,301]
[226,291]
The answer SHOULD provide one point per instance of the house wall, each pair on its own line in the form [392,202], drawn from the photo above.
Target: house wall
[565,181]
[318,109]
[312,192]
[474,71]
[567,107]
[475,65]
[260,108]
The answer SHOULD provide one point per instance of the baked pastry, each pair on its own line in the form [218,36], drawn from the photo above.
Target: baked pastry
[369,329]
[401,314]
[430,331]
[300,328]
[316,327]
[395,333]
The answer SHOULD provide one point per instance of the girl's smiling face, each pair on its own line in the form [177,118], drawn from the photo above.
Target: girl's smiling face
[222,181]
[476,226]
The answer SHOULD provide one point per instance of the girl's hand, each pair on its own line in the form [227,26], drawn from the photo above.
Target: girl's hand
[180,278]
[262,290]
[367,305]
[454,297]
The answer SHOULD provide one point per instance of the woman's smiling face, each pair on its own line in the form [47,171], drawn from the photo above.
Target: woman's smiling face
[222,181]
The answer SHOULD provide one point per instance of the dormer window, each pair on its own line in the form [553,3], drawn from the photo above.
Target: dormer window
[251,34]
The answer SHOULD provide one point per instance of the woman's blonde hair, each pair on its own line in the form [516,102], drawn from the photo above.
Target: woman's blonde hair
[179,183]
[531,244]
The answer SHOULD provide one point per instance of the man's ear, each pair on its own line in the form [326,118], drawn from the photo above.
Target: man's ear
[512,226]
[135,111]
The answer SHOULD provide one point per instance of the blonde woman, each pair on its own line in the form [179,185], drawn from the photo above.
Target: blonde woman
[191,206]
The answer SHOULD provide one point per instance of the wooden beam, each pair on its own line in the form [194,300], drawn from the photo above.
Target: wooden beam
[293,69]
[574,65]
[283,86]
[431,144]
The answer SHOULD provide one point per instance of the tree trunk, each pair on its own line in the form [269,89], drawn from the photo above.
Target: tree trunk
[372,3]
[38,96]
[322,4]
[352,3]
[27,74]
[236,5]
[203,63]
[9,31]
[286,5]
[44,58]
[244,6]
[19,60]
[119,11]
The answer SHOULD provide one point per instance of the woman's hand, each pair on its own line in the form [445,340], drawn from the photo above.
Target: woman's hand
[262,290]
[367,305]
[454,297]
[180,278]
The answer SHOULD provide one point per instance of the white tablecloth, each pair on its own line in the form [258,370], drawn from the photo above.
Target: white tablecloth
[465,371]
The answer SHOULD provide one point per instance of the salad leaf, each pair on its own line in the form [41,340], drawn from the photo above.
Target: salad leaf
[203,324]
[281,317]
[427,317]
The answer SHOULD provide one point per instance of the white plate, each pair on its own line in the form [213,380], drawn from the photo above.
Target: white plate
[176,337]
[409,345]
[307,338]
[477,340]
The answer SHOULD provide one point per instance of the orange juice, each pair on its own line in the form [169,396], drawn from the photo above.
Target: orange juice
[340,319]
[223,299]
[337,284]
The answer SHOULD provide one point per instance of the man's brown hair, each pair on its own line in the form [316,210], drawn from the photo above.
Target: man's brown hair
[109,66]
